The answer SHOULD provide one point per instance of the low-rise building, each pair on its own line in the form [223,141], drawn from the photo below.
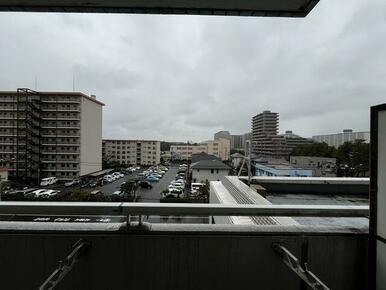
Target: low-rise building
[346,136]
[280,168]
[219,148]
[321,166]
[203,156]
[208,170]
[185,151]
[237,159]
[131,152]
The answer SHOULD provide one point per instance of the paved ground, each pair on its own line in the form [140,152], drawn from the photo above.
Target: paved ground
[153,195]
[145,195]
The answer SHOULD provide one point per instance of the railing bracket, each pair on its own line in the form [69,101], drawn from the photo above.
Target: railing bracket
[66,265]
[301,270]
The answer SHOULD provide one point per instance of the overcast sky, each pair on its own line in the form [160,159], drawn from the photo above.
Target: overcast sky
[179,78]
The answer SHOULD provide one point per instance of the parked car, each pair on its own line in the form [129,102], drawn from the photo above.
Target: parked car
[48,181]
[108,178]
[156,175]
[72,183]
[29,192]
[96,192]
[93,183]
[145,184]
[39,192]
[48,193]
[152,178]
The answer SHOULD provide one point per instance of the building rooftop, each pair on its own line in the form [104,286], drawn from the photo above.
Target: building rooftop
[237,155]
[57,94]
[209,164]
[196,157]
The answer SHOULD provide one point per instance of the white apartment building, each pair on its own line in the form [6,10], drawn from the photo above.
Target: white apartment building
[338,139]
[219,148]
[46,134]
[131,152]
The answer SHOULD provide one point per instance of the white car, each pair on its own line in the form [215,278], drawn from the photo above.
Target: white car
[117,175]
[39,192]
[48,181]
[180,181]
[179,185]
[108,178]
[196,186]
[49,193]
[118,193]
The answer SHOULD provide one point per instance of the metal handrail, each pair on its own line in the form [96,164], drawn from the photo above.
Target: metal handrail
[128,208]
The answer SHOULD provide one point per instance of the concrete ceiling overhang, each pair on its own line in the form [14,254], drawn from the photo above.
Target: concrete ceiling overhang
[270,8]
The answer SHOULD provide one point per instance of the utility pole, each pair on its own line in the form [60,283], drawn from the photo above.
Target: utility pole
[247,159]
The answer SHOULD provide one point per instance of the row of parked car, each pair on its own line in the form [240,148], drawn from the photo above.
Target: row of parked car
[33,192]
[177,186]
[154,173]
[113,176]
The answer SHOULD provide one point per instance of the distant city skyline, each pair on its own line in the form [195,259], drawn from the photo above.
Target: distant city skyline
[178,78]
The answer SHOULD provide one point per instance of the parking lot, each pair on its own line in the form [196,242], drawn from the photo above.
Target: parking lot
[144,194]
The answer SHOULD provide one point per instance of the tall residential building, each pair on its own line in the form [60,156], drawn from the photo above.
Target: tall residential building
[267,142]
[222,135]
[131,152]
[219,148]
[338,139]
[265,127]
[237,142]
[44,134]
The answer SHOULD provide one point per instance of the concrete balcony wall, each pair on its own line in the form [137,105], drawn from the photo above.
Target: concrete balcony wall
[180,257]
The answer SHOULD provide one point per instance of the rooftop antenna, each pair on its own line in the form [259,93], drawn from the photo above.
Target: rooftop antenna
[36,82]
[73,82]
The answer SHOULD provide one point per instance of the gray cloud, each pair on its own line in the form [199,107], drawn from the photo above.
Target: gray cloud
[183,78]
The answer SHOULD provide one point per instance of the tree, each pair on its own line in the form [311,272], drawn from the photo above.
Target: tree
[314,149]
[130,188]
[353,159]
